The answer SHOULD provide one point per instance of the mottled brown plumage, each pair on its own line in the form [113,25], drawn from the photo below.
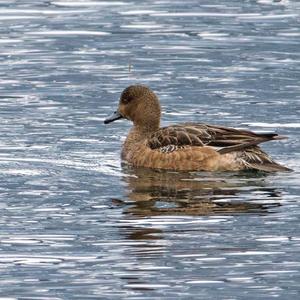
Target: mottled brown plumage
[187,146]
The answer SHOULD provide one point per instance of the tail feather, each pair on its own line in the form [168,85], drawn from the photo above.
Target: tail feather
[269,167]
[281,137]
[264,137]
[274,136]
[254,158]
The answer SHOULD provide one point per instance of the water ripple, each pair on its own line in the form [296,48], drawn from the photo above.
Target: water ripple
[75,222]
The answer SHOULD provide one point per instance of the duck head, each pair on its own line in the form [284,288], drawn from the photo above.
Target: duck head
[140,105]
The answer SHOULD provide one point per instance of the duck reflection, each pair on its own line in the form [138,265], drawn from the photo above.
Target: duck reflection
[154,192]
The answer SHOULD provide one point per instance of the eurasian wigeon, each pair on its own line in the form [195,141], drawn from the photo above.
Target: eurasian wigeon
[187,146]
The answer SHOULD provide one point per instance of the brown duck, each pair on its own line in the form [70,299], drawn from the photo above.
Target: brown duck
[187,146]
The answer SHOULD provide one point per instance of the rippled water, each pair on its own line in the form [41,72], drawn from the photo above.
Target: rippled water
[75,224]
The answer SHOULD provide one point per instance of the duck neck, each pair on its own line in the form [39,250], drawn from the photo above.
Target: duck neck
[145,130]
[137,133]
[137,136]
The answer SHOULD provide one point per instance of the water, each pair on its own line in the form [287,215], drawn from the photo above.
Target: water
[74,223]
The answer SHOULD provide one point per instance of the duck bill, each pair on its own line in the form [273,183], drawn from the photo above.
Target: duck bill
[115,116]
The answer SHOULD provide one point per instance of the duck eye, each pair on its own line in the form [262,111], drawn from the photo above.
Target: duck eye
[127,99]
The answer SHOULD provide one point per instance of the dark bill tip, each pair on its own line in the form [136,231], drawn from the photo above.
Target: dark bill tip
[115,116]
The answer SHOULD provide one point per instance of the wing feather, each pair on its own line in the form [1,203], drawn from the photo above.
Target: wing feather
[223,138]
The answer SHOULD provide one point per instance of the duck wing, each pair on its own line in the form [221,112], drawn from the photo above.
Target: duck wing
[224,139]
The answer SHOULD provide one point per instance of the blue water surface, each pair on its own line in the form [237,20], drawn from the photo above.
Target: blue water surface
[75,224]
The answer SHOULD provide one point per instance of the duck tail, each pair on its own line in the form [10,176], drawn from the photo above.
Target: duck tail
[269,167]
[278,137]
[254,158]
[262,138]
